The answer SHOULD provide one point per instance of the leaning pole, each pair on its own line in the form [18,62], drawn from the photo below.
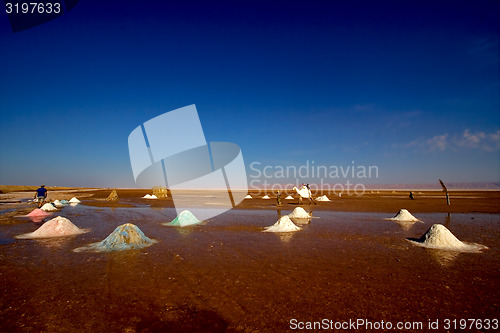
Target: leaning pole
[445,191]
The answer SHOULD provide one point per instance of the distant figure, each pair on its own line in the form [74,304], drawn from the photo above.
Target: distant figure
[40,195]
[278,198]
[411,196]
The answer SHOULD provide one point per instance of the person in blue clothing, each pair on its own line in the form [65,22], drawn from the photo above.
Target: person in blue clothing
[40,195]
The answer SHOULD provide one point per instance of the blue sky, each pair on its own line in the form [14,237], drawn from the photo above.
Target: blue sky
[409,86]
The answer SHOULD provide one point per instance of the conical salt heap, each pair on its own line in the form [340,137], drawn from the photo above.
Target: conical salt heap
[153,197]
[284,224]
[289,197]
[185,218]
[113,196]
[404,215]
[265,197]
[322,198]
[56,227]
[74,200]
[37,212]
[439,237]
[58,203]
[299,213]
[147,196]
[248,196]
[125,237]
[48,207]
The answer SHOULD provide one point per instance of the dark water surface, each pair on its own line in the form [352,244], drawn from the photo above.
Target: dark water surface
[226,275]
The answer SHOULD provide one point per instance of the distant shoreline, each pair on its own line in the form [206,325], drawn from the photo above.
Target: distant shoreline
[452,187]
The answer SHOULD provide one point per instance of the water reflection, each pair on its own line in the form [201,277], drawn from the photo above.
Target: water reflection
[445,258]
[285,237]
[405,225]
[54,242]
[447,221]
[184,231]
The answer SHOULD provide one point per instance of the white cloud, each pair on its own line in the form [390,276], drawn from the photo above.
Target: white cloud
[471,140]
[438,142]
[479,140]
[467,140]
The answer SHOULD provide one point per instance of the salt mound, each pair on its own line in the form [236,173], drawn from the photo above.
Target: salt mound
[38,213]
[147,196]
[153,197]
[58,226]
[289,197]
[185,218]
[74,200]
[125,237]
[48,207]
[113,196]
[266,197]
[284,224]
[439,237]
[299,213]
[248,197]
[58,204]
[322,198]
[404,215]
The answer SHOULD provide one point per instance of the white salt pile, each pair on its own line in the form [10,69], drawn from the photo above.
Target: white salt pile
[38,213]
[74,200]
[147,196]
[299,213]
[404,215]
[266,197]
[284,224]
[153,197]
[48,207]
[289,197]
[125,237]
[439,237]
[248,196]
[322,198]
[58,204]
[56,227]
[185,218]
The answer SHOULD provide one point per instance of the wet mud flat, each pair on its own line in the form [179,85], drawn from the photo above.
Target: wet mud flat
[227,275]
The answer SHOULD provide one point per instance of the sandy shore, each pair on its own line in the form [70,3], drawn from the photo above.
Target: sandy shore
[227,275]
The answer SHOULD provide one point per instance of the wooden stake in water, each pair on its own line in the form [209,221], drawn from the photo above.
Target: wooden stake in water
[445,191]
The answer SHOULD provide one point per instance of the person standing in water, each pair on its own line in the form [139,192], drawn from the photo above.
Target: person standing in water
[40,195]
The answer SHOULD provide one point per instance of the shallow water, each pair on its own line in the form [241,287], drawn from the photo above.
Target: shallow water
[226,274]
